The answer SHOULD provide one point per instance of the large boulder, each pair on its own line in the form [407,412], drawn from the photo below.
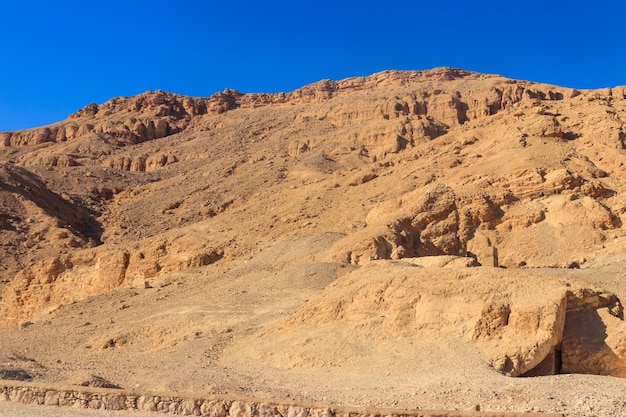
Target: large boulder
[522,323]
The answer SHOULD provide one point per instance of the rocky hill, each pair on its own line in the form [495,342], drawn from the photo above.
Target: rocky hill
[341,229]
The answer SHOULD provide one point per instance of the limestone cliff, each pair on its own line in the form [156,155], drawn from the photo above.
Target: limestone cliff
[400,166]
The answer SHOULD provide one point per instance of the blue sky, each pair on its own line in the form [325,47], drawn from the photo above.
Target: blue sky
[57,57]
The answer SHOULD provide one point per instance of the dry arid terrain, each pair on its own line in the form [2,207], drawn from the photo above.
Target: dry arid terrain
[435,240]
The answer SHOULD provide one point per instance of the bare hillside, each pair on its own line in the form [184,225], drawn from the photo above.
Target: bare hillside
[336,243]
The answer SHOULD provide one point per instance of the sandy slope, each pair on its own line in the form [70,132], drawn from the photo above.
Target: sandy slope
[170,256]
[198,333]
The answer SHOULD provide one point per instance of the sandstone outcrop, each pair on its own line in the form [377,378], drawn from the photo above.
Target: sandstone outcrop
[38,290]
[419,224]
[417,115]
[36,221]
[523,323]
[142,163]
[161,230]
[441,136]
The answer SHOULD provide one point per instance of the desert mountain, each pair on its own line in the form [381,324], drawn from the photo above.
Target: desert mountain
[339,231]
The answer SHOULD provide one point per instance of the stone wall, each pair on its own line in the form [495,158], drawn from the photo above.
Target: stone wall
[212,406]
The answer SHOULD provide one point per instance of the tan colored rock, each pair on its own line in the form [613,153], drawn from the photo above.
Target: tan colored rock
[181,226]
[296,148]
[214,408]
[362,179]
[421,223]
[515,322]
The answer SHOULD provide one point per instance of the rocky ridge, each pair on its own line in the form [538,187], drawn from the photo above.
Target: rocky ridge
[442,167]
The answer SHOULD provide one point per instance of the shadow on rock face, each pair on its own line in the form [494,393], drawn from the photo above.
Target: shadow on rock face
[591,344]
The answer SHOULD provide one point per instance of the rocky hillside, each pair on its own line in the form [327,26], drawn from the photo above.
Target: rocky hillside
[141,192]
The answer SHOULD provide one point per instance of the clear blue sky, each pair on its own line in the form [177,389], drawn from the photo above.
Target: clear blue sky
[58,56]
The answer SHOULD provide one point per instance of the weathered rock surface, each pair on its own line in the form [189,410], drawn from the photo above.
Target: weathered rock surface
[423,223]
[43,287]
[523,323]
[442,162]
[200,221]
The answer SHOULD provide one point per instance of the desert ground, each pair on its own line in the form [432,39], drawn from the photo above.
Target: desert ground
[435,239]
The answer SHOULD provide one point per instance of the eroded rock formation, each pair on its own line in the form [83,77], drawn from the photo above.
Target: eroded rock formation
[523,323]
[441,169]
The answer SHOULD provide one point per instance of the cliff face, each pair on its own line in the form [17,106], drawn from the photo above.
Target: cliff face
[439,162]
[434,100]
[139,191]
